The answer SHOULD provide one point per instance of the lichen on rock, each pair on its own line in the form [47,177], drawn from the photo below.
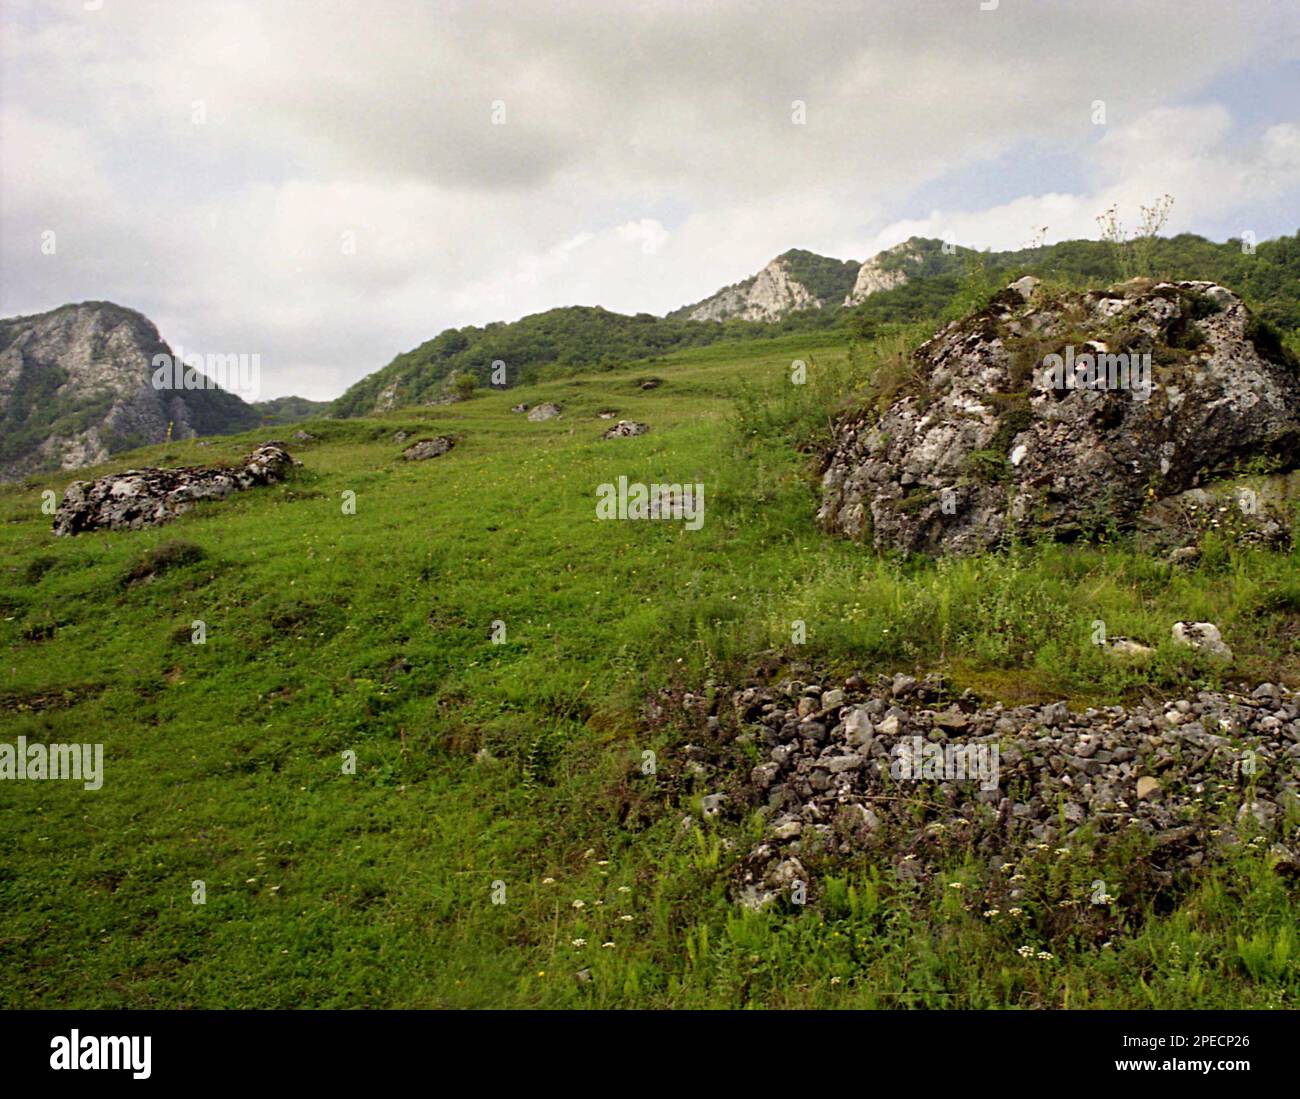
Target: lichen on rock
[999,431]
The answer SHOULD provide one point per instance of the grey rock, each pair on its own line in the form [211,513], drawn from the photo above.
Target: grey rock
[101,358]
[140,498]
[1202,636]
[626,429]
[1037,460]
[428,448]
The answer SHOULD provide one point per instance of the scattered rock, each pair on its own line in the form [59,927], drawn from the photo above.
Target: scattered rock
[304,437]
[1126,647]
[544,412]
[626,429]
[607,413]
[651,383]
[1025,287]
[831,782]
[147,497]
[520,407]
[1202,636]
[428,448]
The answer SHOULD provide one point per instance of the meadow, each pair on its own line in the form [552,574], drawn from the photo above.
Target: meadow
[508,771]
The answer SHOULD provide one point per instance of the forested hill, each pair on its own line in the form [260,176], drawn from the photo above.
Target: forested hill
[937,281]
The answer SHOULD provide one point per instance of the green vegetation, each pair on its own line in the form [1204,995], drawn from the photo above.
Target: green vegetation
[289,410]
[945,285]
[33,411]
[828,280]
[479,763]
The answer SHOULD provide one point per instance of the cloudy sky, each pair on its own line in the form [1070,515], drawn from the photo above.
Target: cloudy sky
[326,184]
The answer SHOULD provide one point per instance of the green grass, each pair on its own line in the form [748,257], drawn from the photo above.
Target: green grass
[370,633]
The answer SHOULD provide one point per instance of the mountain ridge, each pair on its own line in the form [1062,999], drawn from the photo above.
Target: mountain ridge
[918,279]
[78,384]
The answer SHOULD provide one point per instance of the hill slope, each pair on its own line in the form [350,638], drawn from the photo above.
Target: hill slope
[794,281]
[516,771]
[916,281]
[76,387]
[289,410]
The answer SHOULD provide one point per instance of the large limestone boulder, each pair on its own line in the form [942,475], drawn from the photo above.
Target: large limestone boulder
[1061,416]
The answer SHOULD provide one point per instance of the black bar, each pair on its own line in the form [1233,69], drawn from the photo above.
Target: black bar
[558,1049]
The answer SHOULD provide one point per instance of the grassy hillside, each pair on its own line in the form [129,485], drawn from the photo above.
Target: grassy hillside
[516,763]
[568,337]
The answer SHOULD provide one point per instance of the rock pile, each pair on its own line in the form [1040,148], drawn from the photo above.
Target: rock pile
[902,768]
[1060,416]
[147,497]
[428,448]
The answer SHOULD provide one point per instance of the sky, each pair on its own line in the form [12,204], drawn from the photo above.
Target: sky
[327,184]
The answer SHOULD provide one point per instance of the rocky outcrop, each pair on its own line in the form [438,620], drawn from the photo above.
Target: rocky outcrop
[896,266]
[885,271]
[906,770]
[768,296]
[428,448]
[76,386]
[148,497]
[1059,417]
[546,411]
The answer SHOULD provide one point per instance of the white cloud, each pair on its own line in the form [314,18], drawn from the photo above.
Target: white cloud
[649,233]
[645,160]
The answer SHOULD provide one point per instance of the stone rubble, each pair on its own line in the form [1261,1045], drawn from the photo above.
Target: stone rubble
[1193,775]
